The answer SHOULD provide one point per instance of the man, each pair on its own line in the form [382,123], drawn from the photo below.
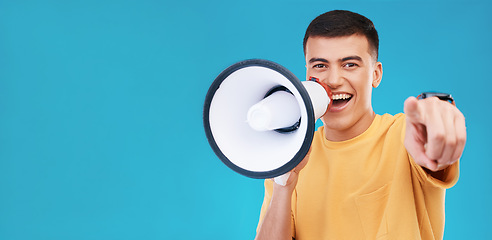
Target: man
[367,176]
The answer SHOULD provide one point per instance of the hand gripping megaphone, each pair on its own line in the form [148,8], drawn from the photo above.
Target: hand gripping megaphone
[260,119]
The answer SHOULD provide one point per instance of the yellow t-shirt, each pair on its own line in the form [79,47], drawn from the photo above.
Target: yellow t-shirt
[367,187]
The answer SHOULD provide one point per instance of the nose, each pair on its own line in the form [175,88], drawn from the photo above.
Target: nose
[333,78]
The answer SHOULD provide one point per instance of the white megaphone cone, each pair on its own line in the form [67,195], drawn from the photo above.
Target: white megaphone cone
[260,119]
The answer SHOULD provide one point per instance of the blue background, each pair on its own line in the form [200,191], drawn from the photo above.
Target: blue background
[101,131]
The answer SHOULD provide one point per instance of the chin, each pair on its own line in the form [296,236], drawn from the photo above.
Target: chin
[336,123]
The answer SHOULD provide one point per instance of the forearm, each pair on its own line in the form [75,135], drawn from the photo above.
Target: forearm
[277,221]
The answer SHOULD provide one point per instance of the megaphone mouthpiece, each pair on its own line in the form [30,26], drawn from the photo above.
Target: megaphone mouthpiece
[320,95]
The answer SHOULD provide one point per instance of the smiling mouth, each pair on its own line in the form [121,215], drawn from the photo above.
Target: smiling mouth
[340,100]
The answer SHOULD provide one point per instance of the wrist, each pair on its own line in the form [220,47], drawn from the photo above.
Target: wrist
[442,96]
[282,191]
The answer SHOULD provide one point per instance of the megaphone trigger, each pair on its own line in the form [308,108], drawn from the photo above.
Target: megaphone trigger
[282,179]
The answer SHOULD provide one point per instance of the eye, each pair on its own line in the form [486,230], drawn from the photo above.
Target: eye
[319,65]
[350,65]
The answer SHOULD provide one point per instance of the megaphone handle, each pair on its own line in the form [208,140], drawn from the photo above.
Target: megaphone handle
[282,179]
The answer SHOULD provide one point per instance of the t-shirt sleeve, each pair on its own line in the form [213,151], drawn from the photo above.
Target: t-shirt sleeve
[266,201]
[446,180]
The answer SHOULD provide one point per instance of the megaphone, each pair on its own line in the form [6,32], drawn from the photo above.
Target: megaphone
[260,119]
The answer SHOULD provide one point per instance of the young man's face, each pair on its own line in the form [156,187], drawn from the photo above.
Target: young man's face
[347,66]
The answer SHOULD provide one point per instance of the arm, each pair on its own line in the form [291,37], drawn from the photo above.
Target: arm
[435,133]
[276,223]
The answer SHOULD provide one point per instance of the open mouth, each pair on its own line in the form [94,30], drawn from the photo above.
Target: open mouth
[340,100]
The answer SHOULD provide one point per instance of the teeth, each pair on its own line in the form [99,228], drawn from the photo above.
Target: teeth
[341,96]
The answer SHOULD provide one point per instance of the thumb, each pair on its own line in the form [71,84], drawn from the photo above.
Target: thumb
[425,161]
[412,110]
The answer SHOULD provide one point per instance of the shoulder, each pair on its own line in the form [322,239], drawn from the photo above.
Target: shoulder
[389,123]
[392,119]
[392,123]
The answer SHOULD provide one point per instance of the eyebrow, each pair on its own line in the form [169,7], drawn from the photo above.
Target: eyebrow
[355,57]
[318,60]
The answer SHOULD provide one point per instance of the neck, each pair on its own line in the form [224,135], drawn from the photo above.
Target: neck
[338,135]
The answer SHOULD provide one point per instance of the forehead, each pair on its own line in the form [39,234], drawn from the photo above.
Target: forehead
[332,48]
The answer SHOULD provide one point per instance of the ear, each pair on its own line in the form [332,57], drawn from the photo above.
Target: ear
[377,74]
[307,76]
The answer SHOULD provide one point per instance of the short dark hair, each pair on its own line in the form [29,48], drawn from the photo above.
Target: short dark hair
[342,23]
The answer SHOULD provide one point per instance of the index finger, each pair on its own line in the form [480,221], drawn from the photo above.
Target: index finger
[413,110]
